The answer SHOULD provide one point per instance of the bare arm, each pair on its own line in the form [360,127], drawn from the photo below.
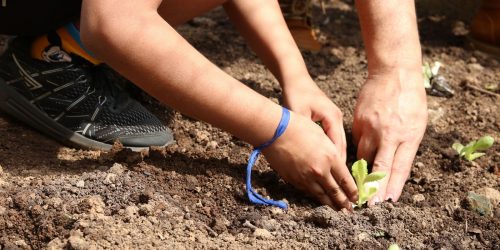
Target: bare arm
[128,38]
[391,112]
[136,41]
[262,24]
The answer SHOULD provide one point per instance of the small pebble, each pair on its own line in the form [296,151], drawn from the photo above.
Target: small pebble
[418,198]
[263,234]
[80,184]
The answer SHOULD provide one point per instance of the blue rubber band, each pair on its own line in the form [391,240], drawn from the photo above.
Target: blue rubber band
[253,196]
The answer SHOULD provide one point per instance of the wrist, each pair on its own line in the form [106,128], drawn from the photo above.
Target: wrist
[297,82]
[262,129]
[405,76]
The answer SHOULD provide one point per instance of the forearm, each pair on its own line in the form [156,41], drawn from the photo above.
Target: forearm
[263,26]
[390,33]
[160,61]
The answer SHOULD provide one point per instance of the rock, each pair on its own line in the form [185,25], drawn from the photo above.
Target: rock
[117,169]
[418,198]
[248,224]
[479,203]
[276,211]
[2,210]
[212,144]
[110,178]
[419,164]
[362,237]
[271,224]
[132,211]
[146,210]
[77,241]
[219,224]
[435,115]
[471,80]
[56,244]
[202,136]
[80,184]
[192,180]
[21,244]
[475,67]
[441,87]
[93,205]
[490,193]
[459,29]
[262,234]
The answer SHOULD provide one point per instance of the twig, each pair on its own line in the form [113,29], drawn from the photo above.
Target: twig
[484,91]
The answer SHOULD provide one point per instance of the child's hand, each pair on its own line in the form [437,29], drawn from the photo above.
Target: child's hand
[307,99]
[305,157]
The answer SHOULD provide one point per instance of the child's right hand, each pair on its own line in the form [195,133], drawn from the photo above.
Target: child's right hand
[305,157]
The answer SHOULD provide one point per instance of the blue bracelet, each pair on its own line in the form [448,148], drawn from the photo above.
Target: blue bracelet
[253,196]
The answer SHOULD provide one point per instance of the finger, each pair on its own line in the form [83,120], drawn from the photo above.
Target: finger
[366,149]
[343,154]
[334,192]
[334,129]
[401,168]
[319,193]
[341,177]
[383,163]
[356,132]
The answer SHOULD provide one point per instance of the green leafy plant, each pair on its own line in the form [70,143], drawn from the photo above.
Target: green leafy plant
[469,151]
[430,72]
[367,183]
[393,247]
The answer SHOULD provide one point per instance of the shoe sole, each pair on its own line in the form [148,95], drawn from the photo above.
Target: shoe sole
[16,105]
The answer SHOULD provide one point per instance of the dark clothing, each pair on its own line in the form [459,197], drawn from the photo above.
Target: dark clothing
[36,17]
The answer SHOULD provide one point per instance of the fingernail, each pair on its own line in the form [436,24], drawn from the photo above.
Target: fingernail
[389,197]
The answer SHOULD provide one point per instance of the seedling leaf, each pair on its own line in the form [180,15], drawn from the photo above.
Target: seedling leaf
[484,143]
[360,170]
[367,184]
[474,156]
[469,152]
[426,70]
[458,147]
[393,247]
[375,176]
[371,192]
[435,68]
[427,83]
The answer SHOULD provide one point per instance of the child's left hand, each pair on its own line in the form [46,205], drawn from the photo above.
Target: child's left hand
[307,99]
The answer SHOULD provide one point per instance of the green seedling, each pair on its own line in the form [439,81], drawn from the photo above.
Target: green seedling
[393,247]
[430,72]
[368,184]
[469,151]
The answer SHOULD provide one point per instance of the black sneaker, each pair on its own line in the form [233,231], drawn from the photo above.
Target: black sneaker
[75,102]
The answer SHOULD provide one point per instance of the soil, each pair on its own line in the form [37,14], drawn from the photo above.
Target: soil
[191,195]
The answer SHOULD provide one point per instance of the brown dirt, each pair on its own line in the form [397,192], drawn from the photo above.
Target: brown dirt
[191,195]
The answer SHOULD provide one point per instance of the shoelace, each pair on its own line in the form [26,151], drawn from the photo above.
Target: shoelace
[104,81]
[253,196]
